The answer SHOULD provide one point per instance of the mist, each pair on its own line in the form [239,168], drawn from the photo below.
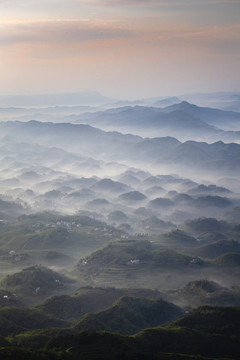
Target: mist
[117,202]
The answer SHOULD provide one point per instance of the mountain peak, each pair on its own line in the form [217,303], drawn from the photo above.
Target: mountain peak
[185,105]
[182,106]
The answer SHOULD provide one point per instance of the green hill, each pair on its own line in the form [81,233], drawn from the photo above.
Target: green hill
[21,237]
[153,224]
[130,315]
[218,248]
[171,259]
[207,333]
[205,292]
[36,282]
[215,320]
[132,257]
[177,238]
[32,239]
[89,299]
[14,320]
[118,253]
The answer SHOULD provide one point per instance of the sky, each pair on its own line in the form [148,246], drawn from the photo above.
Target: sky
[121,48]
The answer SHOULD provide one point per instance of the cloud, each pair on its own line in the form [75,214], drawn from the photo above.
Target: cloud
[61,31]
[215,40]
[73,38]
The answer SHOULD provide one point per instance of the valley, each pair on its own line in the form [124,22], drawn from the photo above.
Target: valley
[119,229]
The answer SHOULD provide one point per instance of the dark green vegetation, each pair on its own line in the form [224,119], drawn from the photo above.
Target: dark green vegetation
[64,326]
[207,333]
[89,299]
[15,320]
[130,315]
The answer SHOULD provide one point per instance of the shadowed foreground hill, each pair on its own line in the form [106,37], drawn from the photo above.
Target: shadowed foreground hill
[15,320]
[89,299]
[215,320]
[130,315]
[207,333]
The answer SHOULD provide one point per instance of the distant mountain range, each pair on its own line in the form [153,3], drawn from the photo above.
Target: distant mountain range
[220,100]
[182,120]
[164,117]
[85,140]
[227,120]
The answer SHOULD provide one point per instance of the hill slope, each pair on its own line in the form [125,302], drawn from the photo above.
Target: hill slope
[35,283]
[130,315]
[89,299]
[14,320]
[203,335]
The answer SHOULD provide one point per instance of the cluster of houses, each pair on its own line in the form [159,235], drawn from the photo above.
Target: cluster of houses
[133,262]
[105,231]
[195,261]
[67,224]
[7,297]
[70,225]
[13,256]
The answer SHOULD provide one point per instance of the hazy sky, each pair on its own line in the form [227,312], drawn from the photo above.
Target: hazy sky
[122,48]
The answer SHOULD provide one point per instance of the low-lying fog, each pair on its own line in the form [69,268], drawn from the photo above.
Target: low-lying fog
[147,185]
